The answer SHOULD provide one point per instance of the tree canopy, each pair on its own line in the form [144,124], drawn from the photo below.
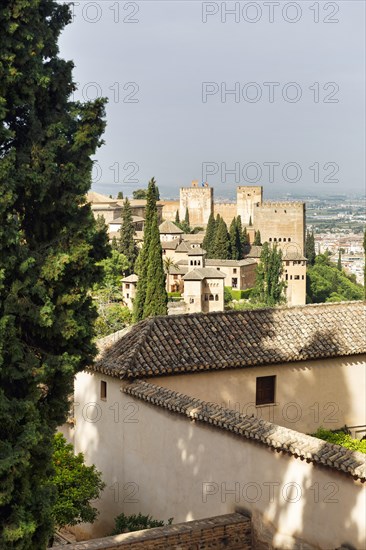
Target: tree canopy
[49,251]
[269,287]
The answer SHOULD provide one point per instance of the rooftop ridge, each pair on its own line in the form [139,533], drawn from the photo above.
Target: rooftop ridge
[280,439]
[188,343]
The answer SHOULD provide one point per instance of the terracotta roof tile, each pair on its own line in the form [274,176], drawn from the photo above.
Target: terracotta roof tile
[196,342]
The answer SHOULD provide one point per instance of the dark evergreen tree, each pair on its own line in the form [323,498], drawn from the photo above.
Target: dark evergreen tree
[339,262]
[120,195]
[245,237]
[221,246]
[49,246]
[310,247]
[269,286]
[156,296]
[235,242]
[177,220]
[186,217]
[209,239]
[250,221]
[126,242]
[141,265]
[257,238]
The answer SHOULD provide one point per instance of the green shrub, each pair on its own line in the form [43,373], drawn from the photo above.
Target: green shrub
[227,294]
[339,437]
[246,293]
[174,294]
[126,524]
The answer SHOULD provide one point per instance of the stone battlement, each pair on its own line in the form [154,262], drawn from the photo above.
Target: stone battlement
[281,204]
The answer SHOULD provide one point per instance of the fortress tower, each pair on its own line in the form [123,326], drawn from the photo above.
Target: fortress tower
[282,223]
[199,201]
[247,197]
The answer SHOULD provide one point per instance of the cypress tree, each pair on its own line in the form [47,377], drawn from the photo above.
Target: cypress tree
[310,247]
[186,218]
[156,296]
[250,221]
[177,220]
[235,242]
[141,265]
[49,246]
[221,246]
[257,238]
[126,243]
[209,239]
[245,237]
[339,263]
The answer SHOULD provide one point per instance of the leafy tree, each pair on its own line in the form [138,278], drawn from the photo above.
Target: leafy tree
[310,247]
[49,247]
[113,269]
[120,195]
[156,296]
[325,283]
[126,243]
[139,194]
[235,241]
[269,286]
[209,239]
[221,245]
[143,193]
[76,484]
[257,238]
[112,317]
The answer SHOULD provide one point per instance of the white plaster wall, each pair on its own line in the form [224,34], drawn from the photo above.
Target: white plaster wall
[309,394]
[163,464]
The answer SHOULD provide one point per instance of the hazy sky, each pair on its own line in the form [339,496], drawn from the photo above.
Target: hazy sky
[293,122]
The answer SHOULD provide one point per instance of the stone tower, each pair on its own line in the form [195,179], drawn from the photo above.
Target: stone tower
[199,201]
[247,198]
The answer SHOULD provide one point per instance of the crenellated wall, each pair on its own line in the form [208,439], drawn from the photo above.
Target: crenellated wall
[283,221]
[199,201]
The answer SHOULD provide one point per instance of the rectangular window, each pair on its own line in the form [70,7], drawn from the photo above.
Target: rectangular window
[103,390]
[127,285]
[297,277]
[234,270]
[234,282]
[265,390]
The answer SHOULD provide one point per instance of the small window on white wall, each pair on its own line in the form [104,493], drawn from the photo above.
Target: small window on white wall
[103,390]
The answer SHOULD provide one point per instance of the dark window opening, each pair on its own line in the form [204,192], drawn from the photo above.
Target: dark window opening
[103,389]
[265,390]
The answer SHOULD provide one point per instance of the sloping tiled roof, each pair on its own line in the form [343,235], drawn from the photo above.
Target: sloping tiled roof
[236,339]
[96,198]
[169,245]
[252,251]
[183,247]
[131,278]
[170,228]
[272,435]
[231,263]
[196,251]
[200,273]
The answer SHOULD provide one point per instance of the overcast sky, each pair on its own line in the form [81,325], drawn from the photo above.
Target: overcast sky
[294,121]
